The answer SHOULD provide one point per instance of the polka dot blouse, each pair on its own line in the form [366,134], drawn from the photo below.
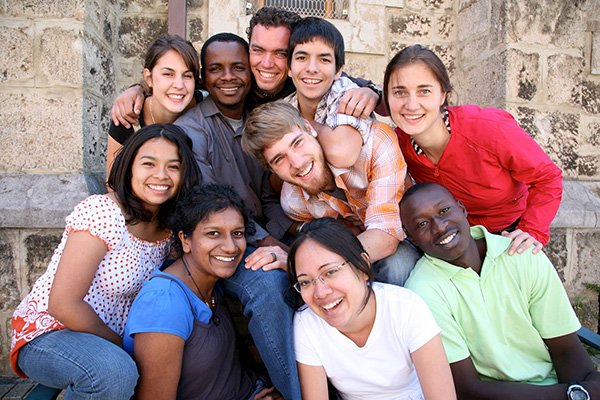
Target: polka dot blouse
[128,263]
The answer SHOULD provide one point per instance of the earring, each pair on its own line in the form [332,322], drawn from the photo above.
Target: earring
[314,134]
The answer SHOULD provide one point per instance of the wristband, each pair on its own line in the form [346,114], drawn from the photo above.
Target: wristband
[377,90]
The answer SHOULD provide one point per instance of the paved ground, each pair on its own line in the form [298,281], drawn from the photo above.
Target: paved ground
[16,389]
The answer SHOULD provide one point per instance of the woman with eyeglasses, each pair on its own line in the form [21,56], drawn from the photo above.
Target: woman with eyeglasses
[370,339]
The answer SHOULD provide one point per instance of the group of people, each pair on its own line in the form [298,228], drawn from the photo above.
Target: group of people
[282,181]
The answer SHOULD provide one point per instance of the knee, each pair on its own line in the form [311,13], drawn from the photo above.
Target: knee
[114,376]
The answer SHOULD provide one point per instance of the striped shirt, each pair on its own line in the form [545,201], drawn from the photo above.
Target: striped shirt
[372,188]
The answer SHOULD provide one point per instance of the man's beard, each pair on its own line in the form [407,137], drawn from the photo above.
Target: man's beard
[324,183]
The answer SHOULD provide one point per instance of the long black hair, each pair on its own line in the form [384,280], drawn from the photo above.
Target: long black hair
[120,176]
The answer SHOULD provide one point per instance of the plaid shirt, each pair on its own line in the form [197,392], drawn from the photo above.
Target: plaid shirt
[373,188]
[327,107]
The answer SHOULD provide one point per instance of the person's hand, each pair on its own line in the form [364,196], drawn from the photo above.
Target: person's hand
[358,102]
[267,258]
[127,107]
[268,394]
[521,242]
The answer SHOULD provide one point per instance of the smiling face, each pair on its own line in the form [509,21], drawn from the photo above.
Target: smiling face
[297,158]
[268,57]
[415,97]
[340,300]
[313,70]
[156,173]
[215,248]
[172,83]
[227,76]
[437,223]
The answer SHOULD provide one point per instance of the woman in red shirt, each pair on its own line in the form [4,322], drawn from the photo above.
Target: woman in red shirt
[502,176]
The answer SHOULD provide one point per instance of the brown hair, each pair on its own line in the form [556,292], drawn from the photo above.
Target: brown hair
[272,17]
[267,124]
[173,42]
[414,54]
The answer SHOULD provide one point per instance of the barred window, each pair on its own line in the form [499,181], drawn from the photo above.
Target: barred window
[334,9]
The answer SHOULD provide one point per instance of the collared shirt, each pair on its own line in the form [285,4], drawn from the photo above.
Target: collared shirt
[446,119]
[495,168]
[501,316]
[325,113]
[373,188]
[218,152]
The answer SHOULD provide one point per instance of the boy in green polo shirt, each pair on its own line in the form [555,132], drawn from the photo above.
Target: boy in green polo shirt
[507,325]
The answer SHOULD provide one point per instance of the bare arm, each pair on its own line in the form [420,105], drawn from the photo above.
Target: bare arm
[433,370]
[78,265]
[111,152]
[378,244]
[313,382]
[569,358]
[158,357]
[127,107]
[341,145]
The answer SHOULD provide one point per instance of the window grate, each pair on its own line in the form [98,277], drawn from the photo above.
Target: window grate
[333,9]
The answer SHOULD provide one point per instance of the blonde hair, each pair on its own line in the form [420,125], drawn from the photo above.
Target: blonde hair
[267,124]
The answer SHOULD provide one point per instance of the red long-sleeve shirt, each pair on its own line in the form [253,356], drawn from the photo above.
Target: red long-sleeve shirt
[495,168]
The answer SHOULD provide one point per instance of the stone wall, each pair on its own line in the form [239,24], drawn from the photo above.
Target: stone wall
[64,61]
[538,61]
[56,84]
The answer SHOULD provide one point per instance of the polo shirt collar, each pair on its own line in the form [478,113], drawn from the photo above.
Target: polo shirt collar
[496,245]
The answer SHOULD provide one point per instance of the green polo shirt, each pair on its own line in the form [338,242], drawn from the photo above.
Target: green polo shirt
[500,318]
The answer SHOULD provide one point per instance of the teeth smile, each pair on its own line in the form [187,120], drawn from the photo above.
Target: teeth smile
[226,259]
[311,81]
[330,306]
[448,239]
[158,187]
[176,96]
[307,171]
[413,116]
[266,74]
[229,89]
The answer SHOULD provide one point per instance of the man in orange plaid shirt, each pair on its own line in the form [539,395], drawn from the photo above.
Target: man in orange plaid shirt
[365,196]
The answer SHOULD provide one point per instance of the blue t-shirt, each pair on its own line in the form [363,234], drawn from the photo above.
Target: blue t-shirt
[164,306]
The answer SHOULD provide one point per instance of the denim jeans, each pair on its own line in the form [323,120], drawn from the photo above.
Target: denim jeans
[262,294]
[395,269]
[88,366]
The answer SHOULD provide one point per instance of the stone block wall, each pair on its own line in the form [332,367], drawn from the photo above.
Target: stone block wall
[537,59]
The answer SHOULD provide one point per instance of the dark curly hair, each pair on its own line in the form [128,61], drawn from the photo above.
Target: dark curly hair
[272,17]
[119,179]
[335,237]
[198,203]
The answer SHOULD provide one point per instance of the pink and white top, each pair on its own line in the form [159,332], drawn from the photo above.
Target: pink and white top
[128,263]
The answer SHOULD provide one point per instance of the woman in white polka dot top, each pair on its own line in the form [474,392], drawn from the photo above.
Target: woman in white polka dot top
[67,332]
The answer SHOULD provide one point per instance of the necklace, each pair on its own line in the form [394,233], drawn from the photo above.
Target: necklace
[262,93]
[212,297]
[154,121]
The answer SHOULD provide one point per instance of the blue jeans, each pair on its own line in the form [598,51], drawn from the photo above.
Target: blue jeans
[262,294]
[88,366]
[395,269]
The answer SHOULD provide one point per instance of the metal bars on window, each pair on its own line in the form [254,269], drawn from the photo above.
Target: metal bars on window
[333,9]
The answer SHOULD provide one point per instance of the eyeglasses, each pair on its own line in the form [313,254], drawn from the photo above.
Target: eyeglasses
[304,285]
